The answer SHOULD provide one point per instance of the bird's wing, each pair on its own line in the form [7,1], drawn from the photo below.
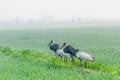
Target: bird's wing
[87,57]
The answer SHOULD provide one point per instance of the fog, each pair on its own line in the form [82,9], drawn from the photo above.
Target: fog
[60,12]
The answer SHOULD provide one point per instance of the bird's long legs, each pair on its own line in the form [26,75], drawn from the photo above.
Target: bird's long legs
[85,64]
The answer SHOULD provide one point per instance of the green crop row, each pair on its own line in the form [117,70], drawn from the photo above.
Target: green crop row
[57,63]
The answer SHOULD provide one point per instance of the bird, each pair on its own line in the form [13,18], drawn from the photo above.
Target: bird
[83,56]
[67,51]
[54,47]
[63,54]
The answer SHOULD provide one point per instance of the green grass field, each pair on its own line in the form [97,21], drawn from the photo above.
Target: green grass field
[24,54]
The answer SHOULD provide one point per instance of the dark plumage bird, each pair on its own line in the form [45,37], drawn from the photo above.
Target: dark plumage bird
[68,51]
[83,56]
[63,54]
[54,47]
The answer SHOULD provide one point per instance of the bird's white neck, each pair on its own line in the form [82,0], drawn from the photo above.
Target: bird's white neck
[64,46]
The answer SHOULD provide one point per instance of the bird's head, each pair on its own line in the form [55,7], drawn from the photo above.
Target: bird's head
[51,42]
[64,44]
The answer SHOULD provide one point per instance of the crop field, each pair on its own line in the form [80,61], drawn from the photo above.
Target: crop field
[25,55]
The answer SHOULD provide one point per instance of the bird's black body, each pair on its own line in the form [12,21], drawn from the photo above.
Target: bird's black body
[68,49]
[54,47]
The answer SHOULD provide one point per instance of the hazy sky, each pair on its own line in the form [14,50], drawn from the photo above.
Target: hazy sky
[60,9]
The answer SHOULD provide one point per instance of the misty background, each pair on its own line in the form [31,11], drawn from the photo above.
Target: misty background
[21,14]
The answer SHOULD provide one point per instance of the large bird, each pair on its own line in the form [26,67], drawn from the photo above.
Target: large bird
[63,54]
[83,56]
[54,47]
[67,51]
